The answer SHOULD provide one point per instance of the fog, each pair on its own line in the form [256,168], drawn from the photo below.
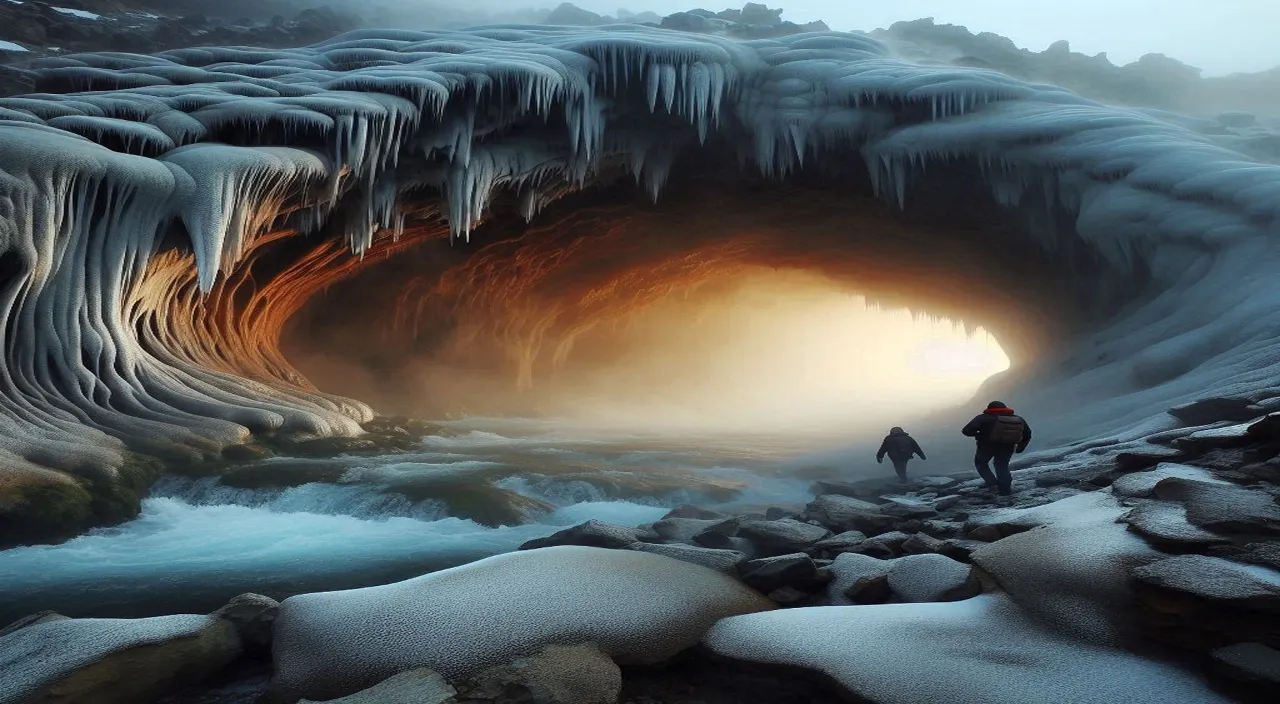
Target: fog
[1220,37]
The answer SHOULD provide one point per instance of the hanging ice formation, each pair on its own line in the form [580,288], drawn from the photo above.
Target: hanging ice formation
[110,336]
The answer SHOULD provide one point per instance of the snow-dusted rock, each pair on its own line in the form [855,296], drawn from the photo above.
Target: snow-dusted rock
[1143,484]
[1073,570]
[726,561]
[112,661]
[1164,523]
[884,545]
[639,607]
[920,578]
[1223,507]
[420,686]
[784,536]
[682,529]
[1215,579]
[593,533]
[922,543]
[977,650]
[796,570]
[253,616]
[840,542]
[843,513]
[858,579]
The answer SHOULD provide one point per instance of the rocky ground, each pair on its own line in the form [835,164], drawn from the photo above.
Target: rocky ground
[1173,554]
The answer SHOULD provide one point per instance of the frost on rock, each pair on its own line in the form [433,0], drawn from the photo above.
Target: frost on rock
[92,657]
[640,608]
[983,649]
[1073,570]
[133,201]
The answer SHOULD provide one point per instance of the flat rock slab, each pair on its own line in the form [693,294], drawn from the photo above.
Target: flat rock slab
[112,661]
[978,650]
[1215,579]
[726,561]
[1225,508]
[924,578]
[786,534]
[1143,484]
[843,513]
[640,608]
[1165,524]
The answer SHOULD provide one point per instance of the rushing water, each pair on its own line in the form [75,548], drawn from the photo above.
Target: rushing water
[199,542]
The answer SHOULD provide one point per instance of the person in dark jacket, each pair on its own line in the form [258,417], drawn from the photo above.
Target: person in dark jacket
[900,448]
[999,432]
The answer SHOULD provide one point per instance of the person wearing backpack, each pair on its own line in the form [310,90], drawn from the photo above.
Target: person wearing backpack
[900,448]
[999,433]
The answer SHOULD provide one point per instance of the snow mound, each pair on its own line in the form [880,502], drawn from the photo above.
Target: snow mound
[978,650]
[36,657]
[1073,570]
[640,608]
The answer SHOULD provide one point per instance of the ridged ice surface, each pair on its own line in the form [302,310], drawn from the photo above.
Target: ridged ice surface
[234,143]
[640,609]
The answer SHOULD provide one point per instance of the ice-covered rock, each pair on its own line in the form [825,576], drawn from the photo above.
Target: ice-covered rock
[1073,570]
[112,661]
[977,650]
[726,561]
[1143,484]
[640,608]
[920,578]
[1216,580]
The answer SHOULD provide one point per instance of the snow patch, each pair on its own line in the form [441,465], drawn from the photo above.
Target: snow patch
[10,46]
[82,14]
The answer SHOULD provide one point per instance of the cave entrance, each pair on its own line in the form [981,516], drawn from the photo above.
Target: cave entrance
[730,304]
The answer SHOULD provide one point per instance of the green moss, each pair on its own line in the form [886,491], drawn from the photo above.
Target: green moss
[121,499]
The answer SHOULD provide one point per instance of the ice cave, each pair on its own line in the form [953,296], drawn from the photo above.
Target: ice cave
[198,246]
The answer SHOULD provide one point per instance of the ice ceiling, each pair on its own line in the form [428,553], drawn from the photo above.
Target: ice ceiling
[164,217]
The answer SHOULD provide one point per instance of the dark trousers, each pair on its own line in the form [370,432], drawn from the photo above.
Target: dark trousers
[900,466]
[1002,480]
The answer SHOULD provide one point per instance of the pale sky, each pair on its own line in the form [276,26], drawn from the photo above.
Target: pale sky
[1219,36]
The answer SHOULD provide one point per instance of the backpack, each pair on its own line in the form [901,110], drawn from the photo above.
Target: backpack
[1006,430]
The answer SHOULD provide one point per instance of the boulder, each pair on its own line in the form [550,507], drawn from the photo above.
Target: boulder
[1216,580]
[1213,410]
[252,615]
[983,649]
[885,545]
[112,661]
[922,543]
[922,578]
[858,579]
[907,508]
[843,513]
[640,608]
[797,570]
[726,561]
[1249,662]
[839,543]
[557,674]
[683,529]
[1143,484]
[786,535]
[593,533]
[718,535]
[1165,524]
[1224,508]
[420,686]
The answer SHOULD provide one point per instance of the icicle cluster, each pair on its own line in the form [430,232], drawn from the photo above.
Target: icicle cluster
[235,143]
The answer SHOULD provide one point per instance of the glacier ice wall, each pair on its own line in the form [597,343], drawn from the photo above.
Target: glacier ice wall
[136,191]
